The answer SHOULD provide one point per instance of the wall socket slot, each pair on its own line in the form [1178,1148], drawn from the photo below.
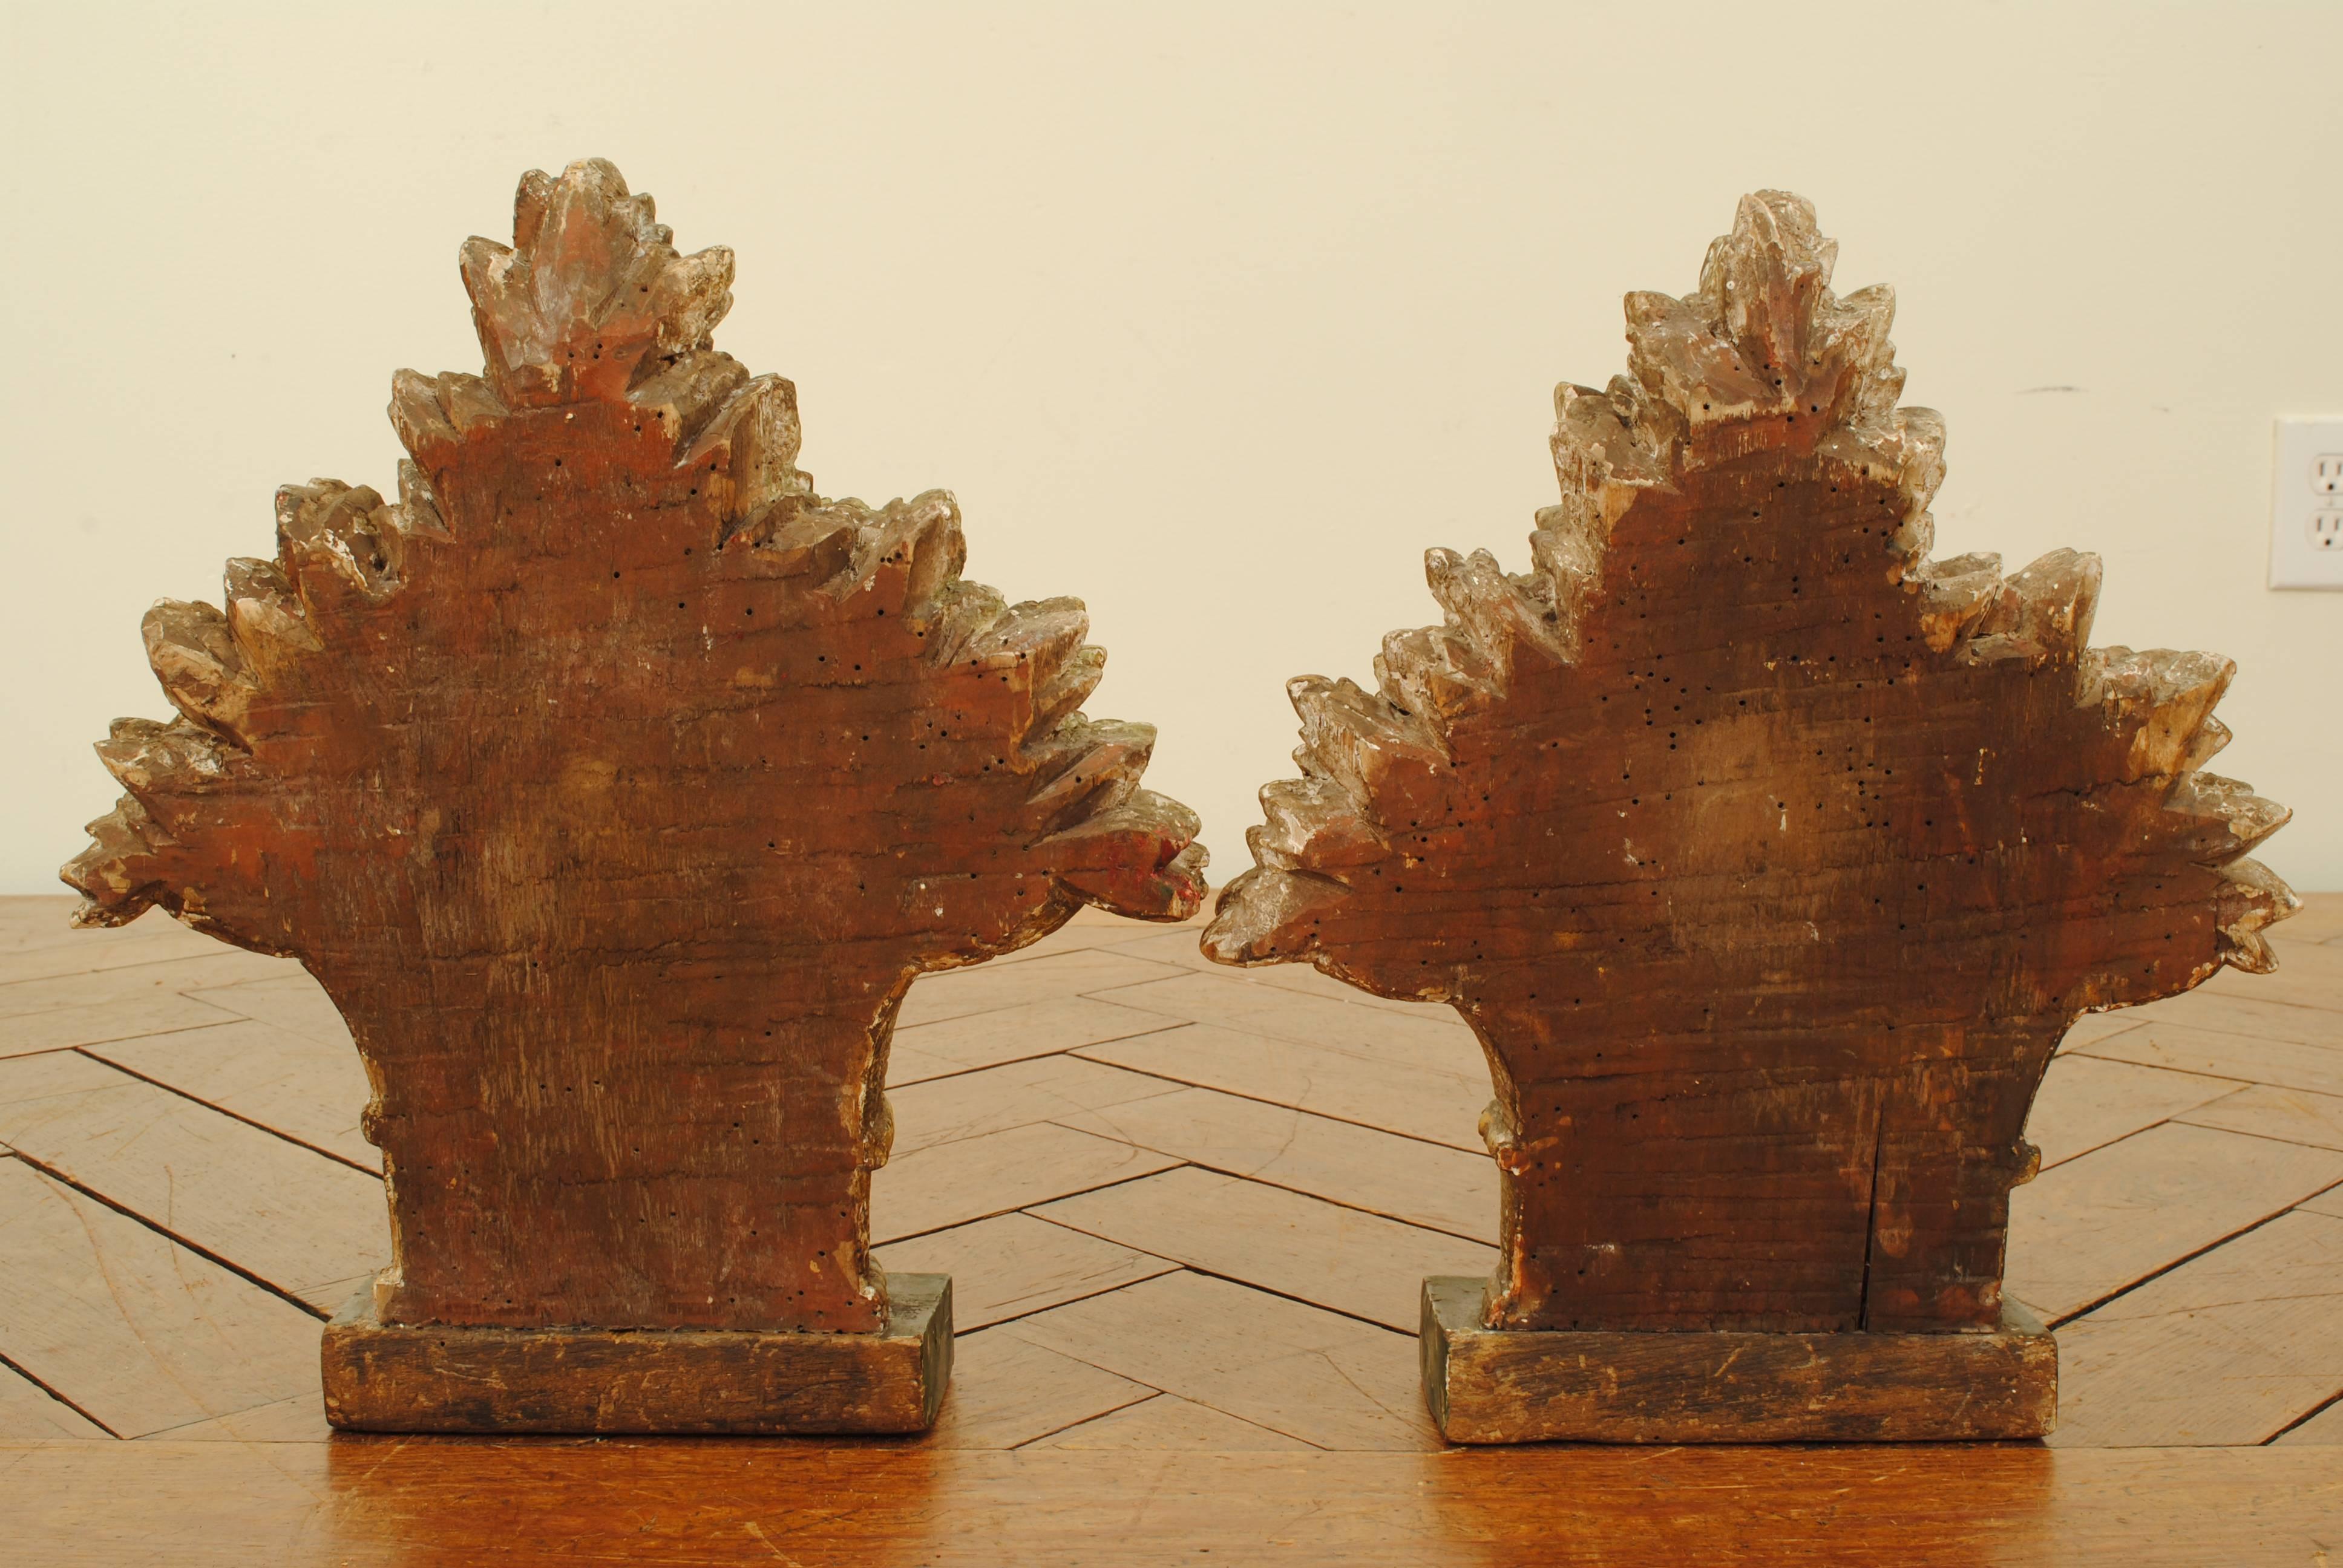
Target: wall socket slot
[2307,505]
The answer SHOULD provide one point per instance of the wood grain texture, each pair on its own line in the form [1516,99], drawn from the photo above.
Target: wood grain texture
[2292,1115]
[1007,1392]
[2097,1026]
[297,1004]
[127,1018]
[29,1414]
[38,940]
[1426,1184]
[2224,1053]
[617,787]
[2227,1011]
[979,1040]
[1016,1094]
[1340,1259]
[968,992]
[1342,1082]
[2321,921]
[1013,1265]
[364,1504]
[1168,1421]
[1514,1386]
[304,1223]
[130,982]
[1328,1380]
[2324,1430]
[1768,858]
[442,1377]
[976,1178]
[2086,1101]
[2310,974]
[300,1419]
[2105,1221]
[2228,1348]
[140,1332]
[1429,1038]
[297,1087]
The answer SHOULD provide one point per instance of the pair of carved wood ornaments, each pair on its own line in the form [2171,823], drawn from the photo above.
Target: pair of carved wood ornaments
[617,785]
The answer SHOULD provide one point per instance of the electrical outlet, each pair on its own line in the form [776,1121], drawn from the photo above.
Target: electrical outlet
[2307,505]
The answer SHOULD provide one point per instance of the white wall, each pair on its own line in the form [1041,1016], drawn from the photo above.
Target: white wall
[1215,317]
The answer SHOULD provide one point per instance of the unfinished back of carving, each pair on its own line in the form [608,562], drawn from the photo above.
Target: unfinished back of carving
[1768,858]
[616,786]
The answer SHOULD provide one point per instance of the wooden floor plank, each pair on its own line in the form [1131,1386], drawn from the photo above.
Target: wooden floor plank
[140,1332]
[2086,1101]
[296,1003]
[1093,929]
[2216,1053]
[39,923]
[956,993]
[125,1018]
[975,1178]
[1327,1379]
[298,1418]
[1016,1094]
[1395,1096]
[2158,1126]
[2324,1430]
[1332,1257]
[1426,1184]
[33,920]
[1168,1421]
[2309,974]
[1074,935]
[2228,1348]
[1013,1034]
[29,1412]
[2328,1202]
[1177,947]
[2107,1219]
[304,1223]
[2320,919]
[2097,1026]
[2294,1115]
[1005,1391]
[370,1504]
[223,966]
[1180,946]
[1433,1039]
[1013,1264]
[2232,1012]
[305,1088]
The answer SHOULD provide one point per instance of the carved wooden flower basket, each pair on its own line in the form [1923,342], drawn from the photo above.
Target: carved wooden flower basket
[616,786]
[1769,859]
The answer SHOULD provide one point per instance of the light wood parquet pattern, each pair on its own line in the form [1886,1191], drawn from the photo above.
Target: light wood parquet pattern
[1186,1207]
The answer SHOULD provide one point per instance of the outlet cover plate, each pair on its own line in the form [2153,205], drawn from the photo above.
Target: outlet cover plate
[2307,505]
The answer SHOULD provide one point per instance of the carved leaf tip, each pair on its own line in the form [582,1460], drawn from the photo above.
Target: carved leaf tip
[119,874]
[591,293]
[1269,916]
[1762,355]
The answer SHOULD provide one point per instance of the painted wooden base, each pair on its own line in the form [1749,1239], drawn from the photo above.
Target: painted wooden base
[389,1377]
[1491,1385]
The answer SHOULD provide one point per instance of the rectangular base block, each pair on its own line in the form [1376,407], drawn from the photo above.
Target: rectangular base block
[1502,1385]
[391,1378]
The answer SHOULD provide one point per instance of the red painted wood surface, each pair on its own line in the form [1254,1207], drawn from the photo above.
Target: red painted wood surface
[617,785]
[1768,858]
